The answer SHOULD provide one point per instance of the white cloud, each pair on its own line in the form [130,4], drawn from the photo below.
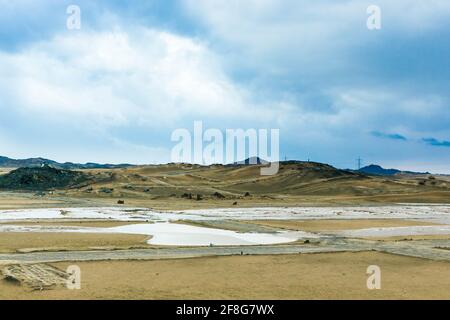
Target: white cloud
[118,78]
[310,68]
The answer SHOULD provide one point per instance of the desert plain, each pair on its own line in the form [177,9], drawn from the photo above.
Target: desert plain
[182,231]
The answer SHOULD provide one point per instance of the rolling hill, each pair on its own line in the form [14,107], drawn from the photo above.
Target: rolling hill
[41,178]
[295,181]
[191,185]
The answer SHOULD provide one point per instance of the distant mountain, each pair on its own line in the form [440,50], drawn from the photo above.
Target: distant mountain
[251,160]
[380,171]
[6,162]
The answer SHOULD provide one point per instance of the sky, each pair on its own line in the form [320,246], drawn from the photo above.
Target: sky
[114,90]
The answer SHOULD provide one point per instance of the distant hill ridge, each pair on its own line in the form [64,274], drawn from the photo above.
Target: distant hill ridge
[378,170]
[250,161]
[6,162]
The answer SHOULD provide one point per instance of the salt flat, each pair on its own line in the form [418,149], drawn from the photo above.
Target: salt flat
[436,213]
[164,232]
[395,231]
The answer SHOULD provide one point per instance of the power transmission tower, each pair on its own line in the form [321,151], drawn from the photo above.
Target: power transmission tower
[359,163]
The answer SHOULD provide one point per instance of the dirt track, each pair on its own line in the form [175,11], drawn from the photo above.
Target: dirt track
[428,249]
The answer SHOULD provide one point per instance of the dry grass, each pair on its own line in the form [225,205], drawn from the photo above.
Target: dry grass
[49,241]
[333,225]
[308,276]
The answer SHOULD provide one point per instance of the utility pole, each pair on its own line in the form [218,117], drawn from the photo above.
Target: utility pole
[359,163]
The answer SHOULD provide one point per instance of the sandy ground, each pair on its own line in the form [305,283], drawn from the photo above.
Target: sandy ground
[324,225]
[310,276]
[73,223]
[21,200]
[27,242]
[411,237]
[305,276]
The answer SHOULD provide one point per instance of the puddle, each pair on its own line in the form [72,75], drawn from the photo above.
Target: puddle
[177,234]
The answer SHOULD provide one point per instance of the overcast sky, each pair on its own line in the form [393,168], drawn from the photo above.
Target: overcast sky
[115,90]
